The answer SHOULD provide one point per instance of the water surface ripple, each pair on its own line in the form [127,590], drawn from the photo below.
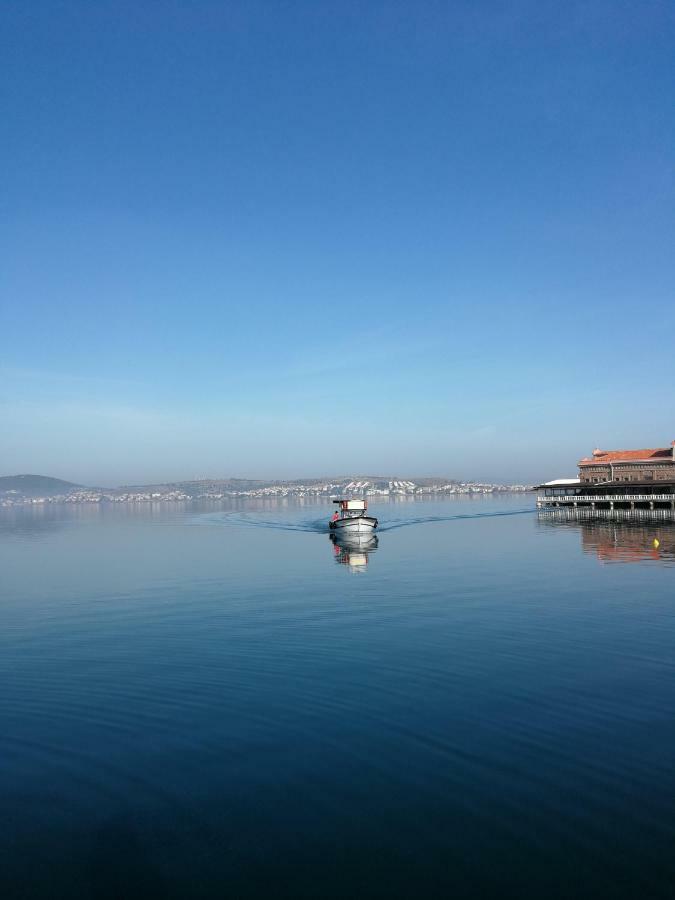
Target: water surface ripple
[213,712]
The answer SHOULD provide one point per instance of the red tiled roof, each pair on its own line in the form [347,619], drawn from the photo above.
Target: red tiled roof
[599,457]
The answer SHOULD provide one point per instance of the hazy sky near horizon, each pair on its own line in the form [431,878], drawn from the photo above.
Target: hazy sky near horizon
[276,239]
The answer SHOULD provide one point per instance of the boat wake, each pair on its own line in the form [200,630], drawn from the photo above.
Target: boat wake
[251,520]
[320,526]
[393,524]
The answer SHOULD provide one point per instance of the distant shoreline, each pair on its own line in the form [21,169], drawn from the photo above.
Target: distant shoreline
[19,491]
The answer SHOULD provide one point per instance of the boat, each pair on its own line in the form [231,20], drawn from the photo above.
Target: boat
[352,518]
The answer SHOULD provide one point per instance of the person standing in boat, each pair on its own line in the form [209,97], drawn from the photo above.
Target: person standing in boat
[335,516]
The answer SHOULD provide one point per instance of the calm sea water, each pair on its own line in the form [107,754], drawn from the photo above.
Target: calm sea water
[220,702]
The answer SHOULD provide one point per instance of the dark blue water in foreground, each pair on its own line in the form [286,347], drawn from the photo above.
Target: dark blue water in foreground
[223,703]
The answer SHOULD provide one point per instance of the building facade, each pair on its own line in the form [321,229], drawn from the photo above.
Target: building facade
[620,466]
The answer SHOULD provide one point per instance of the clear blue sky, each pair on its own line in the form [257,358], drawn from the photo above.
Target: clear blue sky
[275,239]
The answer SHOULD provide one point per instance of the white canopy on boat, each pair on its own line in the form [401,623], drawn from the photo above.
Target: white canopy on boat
[352,504]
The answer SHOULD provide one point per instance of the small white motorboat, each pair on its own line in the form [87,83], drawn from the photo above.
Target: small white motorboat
[352,518]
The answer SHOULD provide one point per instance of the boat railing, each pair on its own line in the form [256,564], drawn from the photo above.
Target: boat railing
[604,498]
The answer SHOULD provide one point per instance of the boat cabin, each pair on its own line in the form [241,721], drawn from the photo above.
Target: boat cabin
[352,507]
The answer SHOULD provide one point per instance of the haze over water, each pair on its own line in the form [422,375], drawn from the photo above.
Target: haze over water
[218,701]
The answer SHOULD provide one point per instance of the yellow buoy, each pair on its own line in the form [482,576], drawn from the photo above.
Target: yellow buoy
[656,542]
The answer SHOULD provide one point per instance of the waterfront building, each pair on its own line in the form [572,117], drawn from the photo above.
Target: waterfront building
[616,480]
[655,464]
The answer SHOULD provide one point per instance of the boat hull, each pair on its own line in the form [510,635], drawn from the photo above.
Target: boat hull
[354,525]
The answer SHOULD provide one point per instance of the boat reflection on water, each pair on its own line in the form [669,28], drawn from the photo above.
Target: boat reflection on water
[353,550]
[622,541]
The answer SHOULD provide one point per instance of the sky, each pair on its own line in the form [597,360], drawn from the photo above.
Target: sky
[276,239]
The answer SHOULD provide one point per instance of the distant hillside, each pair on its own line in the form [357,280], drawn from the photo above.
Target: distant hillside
[18,489]
[199,487]
[36,485]
[193,488]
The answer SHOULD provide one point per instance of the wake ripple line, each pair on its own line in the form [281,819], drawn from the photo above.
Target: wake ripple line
[425,520]
[318,526]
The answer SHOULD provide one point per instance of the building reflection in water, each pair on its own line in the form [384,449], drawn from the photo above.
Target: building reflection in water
[619,540]
[353,551]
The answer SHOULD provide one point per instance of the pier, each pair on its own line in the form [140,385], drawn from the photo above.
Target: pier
[549,514]
[578,499]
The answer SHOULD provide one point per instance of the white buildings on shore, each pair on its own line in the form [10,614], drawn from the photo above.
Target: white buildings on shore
[394,488]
